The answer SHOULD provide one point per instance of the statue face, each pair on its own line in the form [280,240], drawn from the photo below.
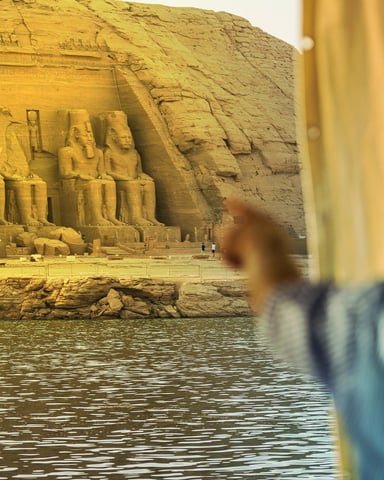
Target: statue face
[122,137]
[32,116]
[84,135]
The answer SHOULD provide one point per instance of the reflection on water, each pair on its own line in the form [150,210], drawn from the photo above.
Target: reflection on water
[161,399]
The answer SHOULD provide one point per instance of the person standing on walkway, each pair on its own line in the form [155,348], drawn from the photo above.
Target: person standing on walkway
[203,247]
[213,248]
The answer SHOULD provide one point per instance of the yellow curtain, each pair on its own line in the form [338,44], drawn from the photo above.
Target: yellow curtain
[343,63]
[342,141]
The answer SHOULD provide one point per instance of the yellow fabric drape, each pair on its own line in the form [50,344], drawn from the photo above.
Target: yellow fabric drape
[344,116]
[343,143]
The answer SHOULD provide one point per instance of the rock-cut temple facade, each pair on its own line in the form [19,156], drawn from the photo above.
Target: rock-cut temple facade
[136,121]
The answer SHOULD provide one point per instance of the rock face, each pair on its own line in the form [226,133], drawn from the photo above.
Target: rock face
[86,298]
[209,99]
[218,299]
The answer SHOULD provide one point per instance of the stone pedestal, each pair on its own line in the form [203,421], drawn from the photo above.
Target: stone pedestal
[159,233]
[110,236]
[8,234]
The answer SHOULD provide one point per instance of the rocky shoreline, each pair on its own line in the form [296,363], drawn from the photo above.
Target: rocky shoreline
[116,297]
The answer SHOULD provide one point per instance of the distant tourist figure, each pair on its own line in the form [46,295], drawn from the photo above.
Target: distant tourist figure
[213,249]
[203,247]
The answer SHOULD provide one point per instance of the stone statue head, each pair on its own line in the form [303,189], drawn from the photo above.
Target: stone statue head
[118,132]
[120,136]
[80,132]
[32,116]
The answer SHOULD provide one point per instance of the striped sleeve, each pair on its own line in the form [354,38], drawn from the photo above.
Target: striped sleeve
[316,327]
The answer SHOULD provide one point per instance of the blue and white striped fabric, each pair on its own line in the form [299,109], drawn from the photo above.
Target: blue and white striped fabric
[337,335]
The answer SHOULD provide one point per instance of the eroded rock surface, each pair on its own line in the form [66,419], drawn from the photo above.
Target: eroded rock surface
[96,297]
[216,299]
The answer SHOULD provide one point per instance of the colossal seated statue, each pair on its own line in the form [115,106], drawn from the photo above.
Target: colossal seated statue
[28,190]
[136,190]
[81,168]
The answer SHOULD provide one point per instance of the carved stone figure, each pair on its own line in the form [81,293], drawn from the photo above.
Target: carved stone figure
[3,221]
[34,130]
[122,162]
[81,168]
[28,190]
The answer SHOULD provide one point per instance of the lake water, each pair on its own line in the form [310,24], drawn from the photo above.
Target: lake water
[161,399]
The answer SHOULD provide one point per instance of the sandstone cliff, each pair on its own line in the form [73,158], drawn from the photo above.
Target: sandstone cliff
[209,98]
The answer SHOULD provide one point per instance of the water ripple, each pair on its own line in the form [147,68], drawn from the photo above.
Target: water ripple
[162,399]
